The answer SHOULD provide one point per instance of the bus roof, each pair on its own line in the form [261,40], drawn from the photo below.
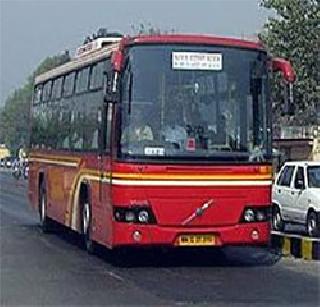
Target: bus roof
[195,39]
[186,39]
[77,62]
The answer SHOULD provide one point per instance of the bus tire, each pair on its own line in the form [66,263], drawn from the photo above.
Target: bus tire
[45,221]
[86,226]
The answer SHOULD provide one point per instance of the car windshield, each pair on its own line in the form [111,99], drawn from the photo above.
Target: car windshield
[314,176]
[195,102]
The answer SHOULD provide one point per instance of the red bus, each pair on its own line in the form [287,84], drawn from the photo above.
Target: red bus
[156,140]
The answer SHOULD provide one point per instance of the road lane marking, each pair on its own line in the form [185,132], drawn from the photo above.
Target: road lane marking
[114,275]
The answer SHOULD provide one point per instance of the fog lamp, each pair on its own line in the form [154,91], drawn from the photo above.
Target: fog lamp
[255,235]
[137,235]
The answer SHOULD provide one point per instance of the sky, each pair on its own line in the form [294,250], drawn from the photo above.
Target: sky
[31,30]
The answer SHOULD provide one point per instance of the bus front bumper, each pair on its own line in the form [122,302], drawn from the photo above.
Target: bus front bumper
[125,234]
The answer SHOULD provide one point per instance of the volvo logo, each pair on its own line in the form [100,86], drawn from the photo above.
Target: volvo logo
[198,212]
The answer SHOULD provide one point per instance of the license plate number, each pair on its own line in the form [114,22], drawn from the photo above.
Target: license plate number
[196,240]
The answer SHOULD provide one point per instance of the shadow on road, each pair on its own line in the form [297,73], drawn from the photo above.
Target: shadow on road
[176,257]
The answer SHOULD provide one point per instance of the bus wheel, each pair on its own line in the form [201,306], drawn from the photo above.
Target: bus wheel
[45,221]
[86,227]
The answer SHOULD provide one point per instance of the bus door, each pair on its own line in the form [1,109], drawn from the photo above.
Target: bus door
[104,165]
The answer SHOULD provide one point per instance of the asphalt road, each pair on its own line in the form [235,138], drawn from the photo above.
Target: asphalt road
[39,269]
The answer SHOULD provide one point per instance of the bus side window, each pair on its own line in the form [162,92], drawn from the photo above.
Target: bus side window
[42,125]
[53,126]
[47,91]
[37,94]
[94,142]
[108,111]
[108,127]
[82,80]
[56,88]
[35,126]
[76,131]
[59,138]
[64,129]
[90,123]
[96,76]
[68,86]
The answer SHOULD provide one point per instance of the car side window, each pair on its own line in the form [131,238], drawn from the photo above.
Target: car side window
[286,176]
[280,176]
[299,179]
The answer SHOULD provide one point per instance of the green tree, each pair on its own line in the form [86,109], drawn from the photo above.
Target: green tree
[294,34]
[149,29]
[14,116]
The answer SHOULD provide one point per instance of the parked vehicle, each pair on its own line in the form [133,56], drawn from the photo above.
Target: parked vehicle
[14,163]
[296,196]
[25,169]
[16,170]
[8,162]
[20,168]
[2,162]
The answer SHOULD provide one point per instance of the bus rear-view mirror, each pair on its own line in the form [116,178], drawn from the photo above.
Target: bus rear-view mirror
[285,68]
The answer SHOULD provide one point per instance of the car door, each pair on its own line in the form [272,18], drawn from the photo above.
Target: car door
[276,190]
[283,191]
[298,197]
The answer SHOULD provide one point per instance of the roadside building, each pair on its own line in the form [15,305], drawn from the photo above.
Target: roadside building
[4,151]
[293,143]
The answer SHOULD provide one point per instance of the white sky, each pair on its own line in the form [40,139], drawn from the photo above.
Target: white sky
[31,30]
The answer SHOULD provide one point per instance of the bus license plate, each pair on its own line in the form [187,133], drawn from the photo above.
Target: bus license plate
[196,240]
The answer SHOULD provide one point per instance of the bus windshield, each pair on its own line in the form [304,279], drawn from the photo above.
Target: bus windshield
[196,103]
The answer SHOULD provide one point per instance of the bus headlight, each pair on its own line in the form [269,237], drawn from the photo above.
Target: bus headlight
[143,216]
[259,214]
[129,216]
[248,215]
[136,214]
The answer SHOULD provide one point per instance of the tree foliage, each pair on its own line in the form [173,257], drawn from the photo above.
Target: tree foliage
[294,34]
[14,116]
[149,29]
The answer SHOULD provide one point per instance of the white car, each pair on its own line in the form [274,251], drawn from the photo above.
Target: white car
[296,196]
